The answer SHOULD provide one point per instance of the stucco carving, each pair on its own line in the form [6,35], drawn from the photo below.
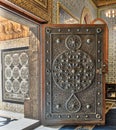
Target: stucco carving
[11,30]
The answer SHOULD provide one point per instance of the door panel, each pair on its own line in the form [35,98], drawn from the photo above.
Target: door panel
[72,77]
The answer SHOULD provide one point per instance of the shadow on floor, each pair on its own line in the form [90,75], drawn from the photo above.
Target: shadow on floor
[5,121]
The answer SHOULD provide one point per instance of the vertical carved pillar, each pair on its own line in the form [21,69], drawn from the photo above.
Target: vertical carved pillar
[32,104]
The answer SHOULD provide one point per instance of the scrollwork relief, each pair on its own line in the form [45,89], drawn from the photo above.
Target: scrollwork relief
[11,30]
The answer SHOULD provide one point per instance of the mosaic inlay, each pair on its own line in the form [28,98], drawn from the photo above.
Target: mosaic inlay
[15,73]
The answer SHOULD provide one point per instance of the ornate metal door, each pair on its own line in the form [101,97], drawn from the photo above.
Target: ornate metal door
[72,74]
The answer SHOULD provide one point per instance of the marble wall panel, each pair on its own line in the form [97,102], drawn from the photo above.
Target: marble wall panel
[15,74]
[5,45]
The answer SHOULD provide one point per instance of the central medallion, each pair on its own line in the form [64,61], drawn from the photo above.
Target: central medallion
[73,69]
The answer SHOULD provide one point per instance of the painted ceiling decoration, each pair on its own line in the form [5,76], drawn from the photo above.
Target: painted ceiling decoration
[100,3]
[40,8]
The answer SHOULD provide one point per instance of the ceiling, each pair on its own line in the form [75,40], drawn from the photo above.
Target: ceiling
[100,3]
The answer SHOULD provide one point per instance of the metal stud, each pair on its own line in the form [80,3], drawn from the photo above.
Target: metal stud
[59,30]
[78,30]
[87,30]
[78,116]
[48,30]
[62,60]
[48,83]
[58,106]
[99,41]
[90,81]
[69,116]
[98,93]
[48,71]
[58,40]
[98,116]
[59,116]
[98,30]
[47,60]
[86,116]
[48,93]
[88,106]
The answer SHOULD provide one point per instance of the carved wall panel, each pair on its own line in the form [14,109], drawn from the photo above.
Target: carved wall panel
[12,30]
[73,82]
[15,73]
[40,8]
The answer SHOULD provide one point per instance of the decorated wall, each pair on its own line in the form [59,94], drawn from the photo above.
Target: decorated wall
[39,8]
[14,76]
[111,22]
[17,36]
[73,8]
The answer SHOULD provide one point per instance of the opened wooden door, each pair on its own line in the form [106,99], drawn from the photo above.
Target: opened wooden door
[73,75]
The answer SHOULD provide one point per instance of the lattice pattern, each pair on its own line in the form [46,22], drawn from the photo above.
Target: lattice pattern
[15,74]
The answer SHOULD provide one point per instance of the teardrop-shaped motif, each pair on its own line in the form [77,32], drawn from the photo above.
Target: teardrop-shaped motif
[73,104]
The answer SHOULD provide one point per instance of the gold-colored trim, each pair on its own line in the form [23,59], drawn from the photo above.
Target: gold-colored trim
[84,12]
[41,3]
[59,5]
[95,7]
[37,8]
[58,15]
